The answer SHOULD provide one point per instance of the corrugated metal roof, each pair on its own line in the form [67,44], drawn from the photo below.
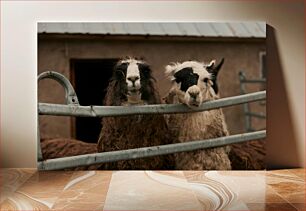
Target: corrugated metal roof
[198,29]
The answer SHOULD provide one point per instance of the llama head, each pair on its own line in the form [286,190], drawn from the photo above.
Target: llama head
[135,79]
[194,82]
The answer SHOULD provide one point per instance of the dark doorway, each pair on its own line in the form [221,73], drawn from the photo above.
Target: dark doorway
[90,78]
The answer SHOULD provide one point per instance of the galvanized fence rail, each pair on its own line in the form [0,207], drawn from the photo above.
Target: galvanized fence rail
[96,158]
[106,111]
[73,108]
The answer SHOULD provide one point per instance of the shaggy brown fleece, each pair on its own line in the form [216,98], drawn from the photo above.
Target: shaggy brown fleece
[200,126]
[132,132]
[119,133]
[248,156]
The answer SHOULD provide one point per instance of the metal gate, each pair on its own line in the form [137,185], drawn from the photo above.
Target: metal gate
[248,115]
[73,108]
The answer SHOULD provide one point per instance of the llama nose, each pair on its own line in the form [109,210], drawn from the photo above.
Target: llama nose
[133,78]
[193,94]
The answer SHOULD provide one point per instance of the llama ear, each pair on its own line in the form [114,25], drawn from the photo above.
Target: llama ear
[170,71]
[214,69]
[211,64]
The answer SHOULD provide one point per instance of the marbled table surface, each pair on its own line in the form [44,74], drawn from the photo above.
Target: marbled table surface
[29,189]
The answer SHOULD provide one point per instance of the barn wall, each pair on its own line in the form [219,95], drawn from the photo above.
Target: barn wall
[55,54]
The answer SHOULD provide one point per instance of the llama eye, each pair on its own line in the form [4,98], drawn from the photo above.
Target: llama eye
[205,80]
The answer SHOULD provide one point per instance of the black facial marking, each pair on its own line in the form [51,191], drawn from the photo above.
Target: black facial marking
[120,71]
[187,78]
[118,78]
[144,70]
[146,81]
[215,85]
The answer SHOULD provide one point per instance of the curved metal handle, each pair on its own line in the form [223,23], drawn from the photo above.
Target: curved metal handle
[71,97]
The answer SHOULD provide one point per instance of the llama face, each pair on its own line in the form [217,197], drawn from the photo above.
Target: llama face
[194,82]
[134,76]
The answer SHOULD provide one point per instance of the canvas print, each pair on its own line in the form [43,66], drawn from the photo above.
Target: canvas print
[151,96]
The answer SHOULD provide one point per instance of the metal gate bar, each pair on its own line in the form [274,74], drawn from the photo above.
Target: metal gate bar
[96,158]
[106,111]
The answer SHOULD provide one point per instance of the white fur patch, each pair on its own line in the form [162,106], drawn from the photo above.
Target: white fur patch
[198,68]
[132,72]
[131,60]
